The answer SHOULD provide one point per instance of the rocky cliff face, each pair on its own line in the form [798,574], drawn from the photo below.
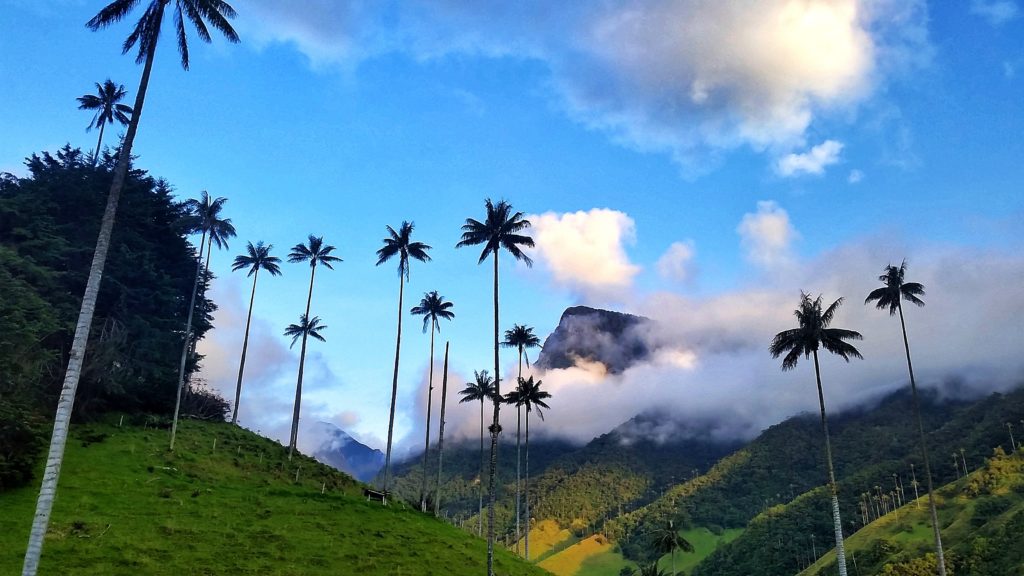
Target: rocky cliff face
[614,339]
[345,453]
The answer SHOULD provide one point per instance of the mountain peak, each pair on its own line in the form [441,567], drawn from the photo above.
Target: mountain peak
[614,339]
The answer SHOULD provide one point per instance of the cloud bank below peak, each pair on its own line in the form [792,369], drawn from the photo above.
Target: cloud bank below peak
[687,78]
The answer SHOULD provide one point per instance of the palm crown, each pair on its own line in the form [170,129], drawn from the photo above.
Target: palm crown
[147,29]
[432,307]
[482,388]
[529,395]
[315,252]
[258,257]
[813,333]
[311,328]
[521,338]
[500,229]
[895,288]
[206,211]
[106,104]
[400,244]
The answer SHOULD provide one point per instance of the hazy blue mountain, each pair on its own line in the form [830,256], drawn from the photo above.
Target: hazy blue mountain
[345,453]
[614,339]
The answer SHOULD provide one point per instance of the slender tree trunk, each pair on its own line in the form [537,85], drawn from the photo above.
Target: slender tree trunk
[526,487]
[494,431]
[440,433]
[394,383]
[519,417]
[55,457]
[940,559]
[426,442]
[187,344]
[245,347]
[96,156]
[480,505]
[293,440]
[837,521]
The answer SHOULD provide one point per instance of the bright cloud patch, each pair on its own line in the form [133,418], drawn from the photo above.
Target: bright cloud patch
[813,161]
[685,77]
[675,263]
[767,236]
[585,252]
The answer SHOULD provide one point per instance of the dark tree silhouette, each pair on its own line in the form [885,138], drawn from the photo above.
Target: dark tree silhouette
[431,307]
[304,329]
[257,258]
[440,433]
[501,228]
[891,296]
[316,253]
[481,388]
[812,333]
[529,396]
[208,220]
[106,103]
[668,540]
[520,338]
[398,244]
[145,34]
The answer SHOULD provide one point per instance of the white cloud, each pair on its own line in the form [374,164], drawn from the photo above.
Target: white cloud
[585,251]
[813,161]
[767,236]
[687,78]
[997,12]
[718,377]
[855,176]
[675,263]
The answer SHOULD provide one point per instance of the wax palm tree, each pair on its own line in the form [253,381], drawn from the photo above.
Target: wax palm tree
[316,253]
[520,338]
[501,228]
[891,296]
[812,333]
[651,570]
[145,34]
[431,307]
[399,244]
[257,258]
[668,540]
[206,213]
[528,395]
[304,329]
[106,103]
[481,388]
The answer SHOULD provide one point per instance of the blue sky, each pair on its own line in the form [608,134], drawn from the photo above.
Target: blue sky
[773,148]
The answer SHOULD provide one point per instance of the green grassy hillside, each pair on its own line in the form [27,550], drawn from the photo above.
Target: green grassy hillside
[982,518]
[225,502]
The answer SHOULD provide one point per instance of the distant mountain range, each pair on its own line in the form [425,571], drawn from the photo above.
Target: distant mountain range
[345,453]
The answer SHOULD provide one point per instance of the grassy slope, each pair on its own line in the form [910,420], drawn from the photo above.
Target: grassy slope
[704,543]
[127,506]
[960,514]
[568,561]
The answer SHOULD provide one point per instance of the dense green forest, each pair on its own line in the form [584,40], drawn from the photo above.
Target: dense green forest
[48,226]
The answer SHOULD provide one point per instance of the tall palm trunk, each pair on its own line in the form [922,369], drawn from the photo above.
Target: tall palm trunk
[96,156]
[294,439]
[940,559]
[394,383]
[519,417]
[188,342]
[526,487]
[494,430]
[245,347]
[480,505]
[440,433]
[837,522]
[55,457]
[426,442]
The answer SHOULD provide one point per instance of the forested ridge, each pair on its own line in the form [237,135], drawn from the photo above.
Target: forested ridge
[49,220]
